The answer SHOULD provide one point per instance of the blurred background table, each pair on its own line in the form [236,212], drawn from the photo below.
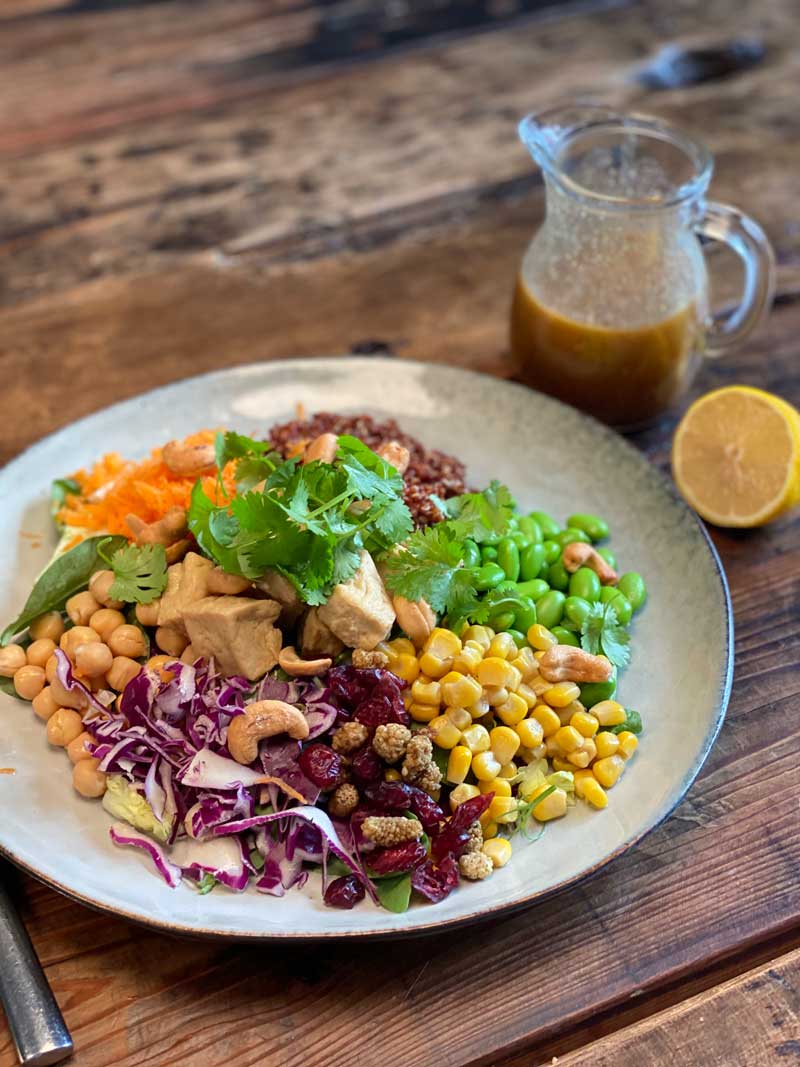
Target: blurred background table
[191,184]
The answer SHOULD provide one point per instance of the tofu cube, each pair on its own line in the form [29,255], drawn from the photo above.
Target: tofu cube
[186,583]
[238,632]
[360,611]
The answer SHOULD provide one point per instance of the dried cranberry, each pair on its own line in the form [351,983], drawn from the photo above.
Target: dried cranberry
[466,814]
[380,708]
[391,796]
[401,858]
[367,766]
[435,882]
[344,892]
[426,809]
[450,842]
[321,765]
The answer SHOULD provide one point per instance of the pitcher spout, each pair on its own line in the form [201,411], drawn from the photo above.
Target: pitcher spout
[544,132]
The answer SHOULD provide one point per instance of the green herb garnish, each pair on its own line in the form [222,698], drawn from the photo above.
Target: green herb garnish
[603,633]
[394,892]
[633,724]
[206,883]
[479,516]
[140,572]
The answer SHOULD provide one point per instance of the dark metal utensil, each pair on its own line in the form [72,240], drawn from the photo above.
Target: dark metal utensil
[34,1019]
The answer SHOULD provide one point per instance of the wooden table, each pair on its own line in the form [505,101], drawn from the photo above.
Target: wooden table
[193,184]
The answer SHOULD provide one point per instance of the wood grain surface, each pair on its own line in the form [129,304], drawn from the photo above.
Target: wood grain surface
[191,185]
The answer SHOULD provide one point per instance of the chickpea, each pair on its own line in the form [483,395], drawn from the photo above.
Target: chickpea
[39,652]
[127,640]
[170,641]
[93,659]
[87,779]
[100,587]
[147,614]
[81,607]
[105,621]
[219,581]
[76,750]
[64,727]
[122,671]
[50,669]
[78,635]
[44,704]
[66,698]
[48,625]
[29,682]
[189,655]
[12,657]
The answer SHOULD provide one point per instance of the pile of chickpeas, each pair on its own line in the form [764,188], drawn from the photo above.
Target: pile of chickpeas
[103,650]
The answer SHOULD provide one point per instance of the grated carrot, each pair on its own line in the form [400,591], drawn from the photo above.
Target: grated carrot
[114,488]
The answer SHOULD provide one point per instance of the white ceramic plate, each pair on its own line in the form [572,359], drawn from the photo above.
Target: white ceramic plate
[554,459]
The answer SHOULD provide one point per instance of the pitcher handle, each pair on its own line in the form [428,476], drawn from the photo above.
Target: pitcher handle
[746,238]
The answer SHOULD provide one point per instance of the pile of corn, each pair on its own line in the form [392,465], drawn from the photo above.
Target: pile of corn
[483,699]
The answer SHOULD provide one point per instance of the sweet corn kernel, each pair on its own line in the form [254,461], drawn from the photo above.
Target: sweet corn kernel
[579,758]
[434,666]
[552,807]
[565,714]
[552,747]
[458,764]
[538,684]
[568,738]
[591,790]
[479,708]
[609,713]
[499,786]
[530,733]
[459,717]
[561,694]
[502,810]
[538,655]
[504,743]
[547,719]
[526,755]
[476,738]
[422,712]
[427,691]
[512,711]
[481,635]
[561,764]
[498,849]
[443,732]
[391,774]
[495,694]
[400,646]
[628,743]
[485,766]
[525,663]
[405,666]
[580,775]
[608,770]
[496,671]
[606,743]
[528,694]
[466,662]
[585,723]
[463,792]
[459,690]
[504,646]
[442,643]
[541,638]
[508,770]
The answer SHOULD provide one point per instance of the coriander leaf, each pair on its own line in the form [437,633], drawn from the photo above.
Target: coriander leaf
[140,573]
[232,445]
[346,559]
[462,599]
[480,516]
[393,520]
[633,723]
[394,892]
[425,567]
[250,471]
[199,518]
[602,633]
[207,883]
[223,526]
[592,629]
[368,475]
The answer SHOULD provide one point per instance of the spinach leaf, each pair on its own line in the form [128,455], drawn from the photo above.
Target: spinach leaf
[66,575]
[60,489]
[7,686]
[395,892]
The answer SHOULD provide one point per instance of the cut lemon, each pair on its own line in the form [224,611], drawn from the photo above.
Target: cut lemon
[736,456]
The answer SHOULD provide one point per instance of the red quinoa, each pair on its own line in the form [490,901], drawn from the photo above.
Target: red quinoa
[429,471]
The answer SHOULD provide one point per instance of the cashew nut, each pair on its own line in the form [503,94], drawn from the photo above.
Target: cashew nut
[169,529]
[322,448]
[264,718]
[577,554]
[290,662]
[563,663]
[415,618]
[223,584]
[188,461]
[176,552]
[395,454]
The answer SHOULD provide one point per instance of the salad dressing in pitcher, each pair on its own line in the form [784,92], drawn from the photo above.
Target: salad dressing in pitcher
[610,309]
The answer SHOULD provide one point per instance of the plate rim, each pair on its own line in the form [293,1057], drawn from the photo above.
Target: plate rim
[483,913]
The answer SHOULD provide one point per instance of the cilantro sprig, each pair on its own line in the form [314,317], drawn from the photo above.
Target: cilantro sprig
[603,633]
[479,516]
[140,572]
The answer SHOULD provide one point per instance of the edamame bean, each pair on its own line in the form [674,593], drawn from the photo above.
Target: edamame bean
[576,609]
[488,554]
[519,539]
[632,586]
[547,524]
[471,554]
[531,528]
[552,551]
[593,692]
[621,604]
[558,577]
[585,584]
[535,588]
[565,637]
[488,576]
[531,561]
[492,539]
[508,558]
[570,536]
[501,620]
[550,609]
[593,525]
[525,615]
[506,586]
[520,640]
[608,556]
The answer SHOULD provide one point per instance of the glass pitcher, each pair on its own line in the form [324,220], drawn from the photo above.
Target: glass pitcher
[611,307]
